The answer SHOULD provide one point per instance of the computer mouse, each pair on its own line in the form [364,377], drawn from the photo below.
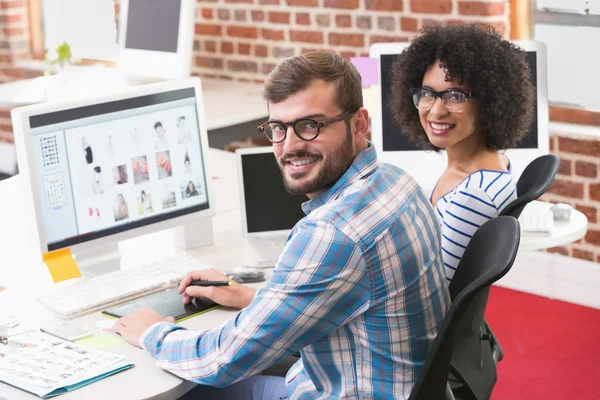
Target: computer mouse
[247,276]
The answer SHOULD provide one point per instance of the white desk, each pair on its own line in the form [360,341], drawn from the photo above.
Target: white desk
[563,233]
[23,277]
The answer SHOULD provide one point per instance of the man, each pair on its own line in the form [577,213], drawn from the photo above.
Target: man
[97,181]
[161,139]
[184,134]
[360,287]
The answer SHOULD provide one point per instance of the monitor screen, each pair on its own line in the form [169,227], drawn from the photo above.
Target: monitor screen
[394,140]
[153,25]
[110,167]
[269,207]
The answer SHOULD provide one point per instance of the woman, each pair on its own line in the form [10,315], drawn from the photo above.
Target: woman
[184,133]
[191,190]
[145,205]
[473,98]
[87,151]
[186,163]
[97,181]
[122,212]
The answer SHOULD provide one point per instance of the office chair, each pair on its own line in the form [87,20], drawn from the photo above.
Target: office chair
[488,257]
[533,183]
[473,371]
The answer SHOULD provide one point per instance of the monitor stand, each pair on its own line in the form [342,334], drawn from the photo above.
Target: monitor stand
[102,260]
[194,234]
[99,260]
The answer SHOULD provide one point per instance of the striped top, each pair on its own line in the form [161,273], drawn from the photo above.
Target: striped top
[480,197]
[359,290]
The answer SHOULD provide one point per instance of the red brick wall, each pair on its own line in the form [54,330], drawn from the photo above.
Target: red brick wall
[578,184]
[245,39]
[14,38]
[14,46]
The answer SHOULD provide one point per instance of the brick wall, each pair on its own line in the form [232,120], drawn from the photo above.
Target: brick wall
[14,46]
[14,37]
[245,39]
[578,184]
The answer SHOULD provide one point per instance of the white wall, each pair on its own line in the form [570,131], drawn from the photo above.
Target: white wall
[555,276]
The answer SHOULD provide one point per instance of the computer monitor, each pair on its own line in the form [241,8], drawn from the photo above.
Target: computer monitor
[427,166]
[156,38]
[100,170]
[266,205]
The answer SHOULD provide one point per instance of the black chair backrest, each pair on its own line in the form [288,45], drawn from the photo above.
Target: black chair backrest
[534,182]
[488,257]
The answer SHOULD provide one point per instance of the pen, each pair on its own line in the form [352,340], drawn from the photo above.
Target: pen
[210,283]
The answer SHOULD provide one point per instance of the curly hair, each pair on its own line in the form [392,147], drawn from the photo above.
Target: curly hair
[495,69]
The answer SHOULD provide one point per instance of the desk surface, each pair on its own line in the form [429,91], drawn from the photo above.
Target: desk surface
[226,103]
[24,277]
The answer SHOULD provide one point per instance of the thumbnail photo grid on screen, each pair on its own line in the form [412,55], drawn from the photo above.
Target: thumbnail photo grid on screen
[132,168]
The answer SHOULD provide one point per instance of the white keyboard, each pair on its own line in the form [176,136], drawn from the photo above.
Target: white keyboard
[117,287]
[536,220]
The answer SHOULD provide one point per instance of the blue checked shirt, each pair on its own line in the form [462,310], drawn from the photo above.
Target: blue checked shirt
[359,290]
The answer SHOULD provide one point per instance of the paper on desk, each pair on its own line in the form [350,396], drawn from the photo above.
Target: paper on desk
[62,265]
[49,366]
[100,342]
[106,325]
[14,326]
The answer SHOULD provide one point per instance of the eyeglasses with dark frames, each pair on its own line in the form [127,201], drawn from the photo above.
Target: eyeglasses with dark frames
[305,128]
[454,99]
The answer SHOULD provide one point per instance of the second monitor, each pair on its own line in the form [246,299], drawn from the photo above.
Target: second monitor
[269,212]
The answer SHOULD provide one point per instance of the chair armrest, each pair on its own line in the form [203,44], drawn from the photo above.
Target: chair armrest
[497,352]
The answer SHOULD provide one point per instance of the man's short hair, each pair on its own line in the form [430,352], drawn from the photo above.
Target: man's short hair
[297,73]
[157,125]
[97,169]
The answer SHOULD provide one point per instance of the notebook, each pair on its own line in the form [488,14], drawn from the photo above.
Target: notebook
[167,303]
[48,366]
[269,212]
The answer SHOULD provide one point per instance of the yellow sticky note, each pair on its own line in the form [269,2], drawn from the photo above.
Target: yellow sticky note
[100,342]
[62,265]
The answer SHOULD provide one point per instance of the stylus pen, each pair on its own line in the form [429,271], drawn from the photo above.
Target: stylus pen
[210,283]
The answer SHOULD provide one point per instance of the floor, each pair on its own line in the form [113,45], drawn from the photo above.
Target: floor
[551,348]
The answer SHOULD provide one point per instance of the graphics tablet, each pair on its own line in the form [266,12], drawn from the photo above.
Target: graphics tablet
[167,303]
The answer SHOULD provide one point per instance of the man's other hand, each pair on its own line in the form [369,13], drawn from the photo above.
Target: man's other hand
[133,325]
[236,295]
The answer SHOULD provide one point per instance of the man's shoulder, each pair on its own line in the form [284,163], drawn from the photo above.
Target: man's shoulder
[370,205]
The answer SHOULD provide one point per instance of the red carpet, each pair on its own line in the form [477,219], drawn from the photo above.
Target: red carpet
[551,348]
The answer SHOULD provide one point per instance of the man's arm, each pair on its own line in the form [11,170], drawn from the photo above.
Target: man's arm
[319,284]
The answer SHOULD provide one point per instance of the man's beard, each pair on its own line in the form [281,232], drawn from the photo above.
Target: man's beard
[329,173]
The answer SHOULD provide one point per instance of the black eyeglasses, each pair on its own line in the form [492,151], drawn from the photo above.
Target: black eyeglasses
[305,128]
[454,99]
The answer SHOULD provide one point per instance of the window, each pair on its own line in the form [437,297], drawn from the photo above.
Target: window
[88,26]
[571,30]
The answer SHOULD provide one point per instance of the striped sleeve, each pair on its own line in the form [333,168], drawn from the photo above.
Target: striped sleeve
[319,284]
[467,211]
